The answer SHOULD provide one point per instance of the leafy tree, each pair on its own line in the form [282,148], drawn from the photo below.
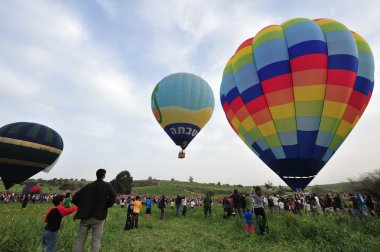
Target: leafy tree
[268,185]
[367,183]
[122,183]
[218,183]
[280,191]
[319,190]
[67,186]
[191,179]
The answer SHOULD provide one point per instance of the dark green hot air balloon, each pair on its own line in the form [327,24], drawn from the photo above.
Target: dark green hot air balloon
[26,149]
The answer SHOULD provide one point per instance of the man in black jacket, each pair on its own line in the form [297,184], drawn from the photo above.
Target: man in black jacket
[236,201]
[93,201]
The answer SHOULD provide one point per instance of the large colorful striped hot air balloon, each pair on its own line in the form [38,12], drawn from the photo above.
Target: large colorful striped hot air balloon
[26,149]
[295,91]
[182,103]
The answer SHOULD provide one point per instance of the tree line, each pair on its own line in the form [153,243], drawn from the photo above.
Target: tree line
[123,184]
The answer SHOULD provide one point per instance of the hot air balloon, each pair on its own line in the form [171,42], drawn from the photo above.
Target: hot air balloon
[26,149]
[182,104]
[31,188]
[295,91]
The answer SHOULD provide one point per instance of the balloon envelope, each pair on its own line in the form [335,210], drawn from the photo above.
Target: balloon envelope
[295,91]
[182,103]
[32,188]
[26,149]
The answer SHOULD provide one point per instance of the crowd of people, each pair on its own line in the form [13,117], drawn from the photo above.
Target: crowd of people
[355,204]
[9,197]
[92,201]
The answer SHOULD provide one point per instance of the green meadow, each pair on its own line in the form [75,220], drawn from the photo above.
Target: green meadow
[20,230]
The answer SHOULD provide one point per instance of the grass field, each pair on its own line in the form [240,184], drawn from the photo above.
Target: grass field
[20,230]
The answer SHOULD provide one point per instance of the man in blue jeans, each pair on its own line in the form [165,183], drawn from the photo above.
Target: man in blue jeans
[178,205]
[93,201]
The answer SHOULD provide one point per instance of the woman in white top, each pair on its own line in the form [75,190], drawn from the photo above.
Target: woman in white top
[258,209]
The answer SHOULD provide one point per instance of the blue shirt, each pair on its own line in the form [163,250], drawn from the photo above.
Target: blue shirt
[148,203]
[248,217]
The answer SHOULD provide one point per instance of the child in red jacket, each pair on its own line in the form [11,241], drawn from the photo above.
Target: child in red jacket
[53,220]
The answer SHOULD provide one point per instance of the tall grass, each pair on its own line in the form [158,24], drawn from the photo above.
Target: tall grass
[20,230]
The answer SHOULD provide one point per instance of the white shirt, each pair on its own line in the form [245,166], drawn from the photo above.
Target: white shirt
[275,201]
[184,202]
[265,200]
[281,205]
[307,206]
[317,199]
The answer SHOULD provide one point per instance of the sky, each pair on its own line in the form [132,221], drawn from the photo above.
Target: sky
[87,70]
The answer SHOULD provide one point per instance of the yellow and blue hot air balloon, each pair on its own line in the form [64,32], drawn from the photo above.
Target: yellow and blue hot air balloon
[26,149]
[182,103]
[295,91]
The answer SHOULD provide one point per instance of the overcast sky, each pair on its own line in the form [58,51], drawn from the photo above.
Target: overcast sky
[87,69]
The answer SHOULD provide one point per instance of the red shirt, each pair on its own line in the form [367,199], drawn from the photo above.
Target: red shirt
[54,216]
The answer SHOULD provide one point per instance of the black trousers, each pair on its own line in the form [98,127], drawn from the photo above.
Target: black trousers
[135,220]
[162,213]
[207,209]
[262,224]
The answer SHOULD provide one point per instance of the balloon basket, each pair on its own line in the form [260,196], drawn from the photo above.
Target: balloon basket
[181,155]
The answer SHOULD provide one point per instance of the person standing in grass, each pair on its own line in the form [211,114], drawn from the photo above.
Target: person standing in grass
[25,200]
[236,202]
[93,201]
[227,207]
[161,206]
[67,200]
[136,211]
[275,203]
[128,222]
[207,205]
[337,204]
[184,203]
[178,205]
[249,228]
[281,206]
[259,209]
[53,220]
[148,210]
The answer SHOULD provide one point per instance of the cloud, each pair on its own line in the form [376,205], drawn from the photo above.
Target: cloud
[109,6]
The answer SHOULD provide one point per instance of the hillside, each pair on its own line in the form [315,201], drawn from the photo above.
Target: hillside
[173,187]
